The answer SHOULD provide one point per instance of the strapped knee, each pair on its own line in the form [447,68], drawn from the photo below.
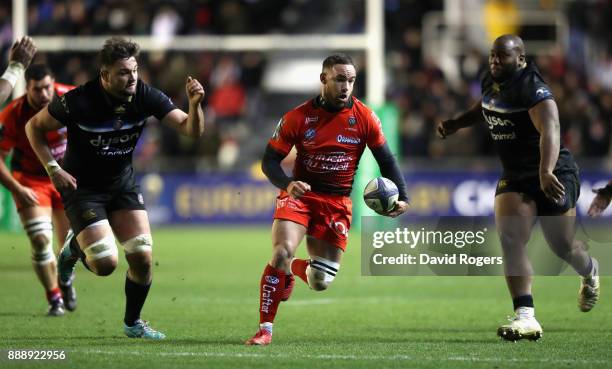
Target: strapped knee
[142,243]
[321,272]
[40,232]
[102,248]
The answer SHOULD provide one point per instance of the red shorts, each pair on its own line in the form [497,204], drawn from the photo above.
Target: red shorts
[48,197]
[326,217]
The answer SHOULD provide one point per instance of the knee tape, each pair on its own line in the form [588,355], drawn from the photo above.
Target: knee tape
[321,272]
[41,227]
[142,243]
[102,248]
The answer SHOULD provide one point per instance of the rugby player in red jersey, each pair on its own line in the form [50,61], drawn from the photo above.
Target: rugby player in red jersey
[38,203]
[330,133]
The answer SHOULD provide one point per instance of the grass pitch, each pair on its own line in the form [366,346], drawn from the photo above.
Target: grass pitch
[204,297]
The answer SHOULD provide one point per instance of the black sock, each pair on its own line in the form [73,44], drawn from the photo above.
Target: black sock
[523,301]
[76,250]
[135,296]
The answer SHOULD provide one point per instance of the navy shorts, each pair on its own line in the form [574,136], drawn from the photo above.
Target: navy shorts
[531,187]
[86,205]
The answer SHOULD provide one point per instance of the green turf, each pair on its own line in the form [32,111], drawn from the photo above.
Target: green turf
[204,298]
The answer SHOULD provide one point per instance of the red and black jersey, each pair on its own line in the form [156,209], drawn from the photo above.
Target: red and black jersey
[329,143]
[12,135]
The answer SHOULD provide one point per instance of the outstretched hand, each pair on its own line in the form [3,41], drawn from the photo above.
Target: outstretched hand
[195,91]
[22,51]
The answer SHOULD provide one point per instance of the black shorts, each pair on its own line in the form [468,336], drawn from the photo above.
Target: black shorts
[85,205]
[531,188]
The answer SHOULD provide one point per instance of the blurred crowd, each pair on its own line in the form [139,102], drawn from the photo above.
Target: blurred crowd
[241,115]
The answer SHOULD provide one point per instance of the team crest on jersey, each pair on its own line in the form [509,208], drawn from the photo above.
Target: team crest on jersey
[352,121]
[278,128]
[62,100]
[311,119]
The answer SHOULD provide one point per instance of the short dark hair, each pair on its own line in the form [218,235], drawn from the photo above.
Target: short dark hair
[37,72]
[334,59]
[117,48]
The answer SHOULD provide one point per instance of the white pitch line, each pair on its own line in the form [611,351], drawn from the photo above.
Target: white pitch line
[343,357]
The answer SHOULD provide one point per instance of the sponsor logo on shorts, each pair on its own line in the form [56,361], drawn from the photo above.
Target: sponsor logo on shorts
[339,228]
[502,184]
[89,214]
[271,279]
[348,140]
[140,199]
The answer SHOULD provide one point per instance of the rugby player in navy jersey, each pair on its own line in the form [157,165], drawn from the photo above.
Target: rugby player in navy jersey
[540,178]
[104,118]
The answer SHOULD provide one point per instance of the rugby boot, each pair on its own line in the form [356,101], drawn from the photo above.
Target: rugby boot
[261,338]
[66,262]
[521,326]
[142,330]
[56,307]
[588,294]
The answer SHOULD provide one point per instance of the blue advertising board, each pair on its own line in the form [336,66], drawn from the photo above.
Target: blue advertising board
[239,198]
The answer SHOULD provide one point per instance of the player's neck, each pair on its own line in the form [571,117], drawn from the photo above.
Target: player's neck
[325,104]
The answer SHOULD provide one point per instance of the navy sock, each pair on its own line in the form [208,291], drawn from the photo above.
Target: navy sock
[523,301]
[135,296]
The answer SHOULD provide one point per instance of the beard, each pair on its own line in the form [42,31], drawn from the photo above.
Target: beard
[504,74]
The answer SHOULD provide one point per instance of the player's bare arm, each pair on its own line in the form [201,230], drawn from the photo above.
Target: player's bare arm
[545,118]
[35,129]
[271,167]
[191,124]
[24,195]
[601,200]
[467,119]
[20,56]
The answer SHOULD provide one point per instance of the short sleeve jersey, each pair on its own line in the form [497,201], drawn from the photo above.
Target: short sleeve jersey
[505,107]
[12,135]
[103,131]
[329,143]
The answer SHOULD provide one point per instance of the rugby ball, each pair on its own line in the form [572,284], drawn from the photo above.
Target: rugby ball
[380,195]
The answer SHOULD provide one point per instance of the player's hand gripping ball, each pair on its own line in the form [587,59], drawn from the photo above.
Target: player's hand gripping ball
[380,194]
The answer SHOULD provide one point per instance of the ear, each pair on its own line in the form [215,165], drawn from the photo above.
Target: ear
[522,60]
[104,74]
[323,78]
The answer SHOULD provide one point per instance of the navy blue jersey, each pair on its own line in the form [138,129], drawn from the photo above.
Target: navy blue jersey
[505,107]
[103,131]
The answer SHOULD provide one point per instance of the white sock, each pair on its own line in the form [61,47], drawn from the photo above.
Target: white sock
[267,326]
[525,312]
